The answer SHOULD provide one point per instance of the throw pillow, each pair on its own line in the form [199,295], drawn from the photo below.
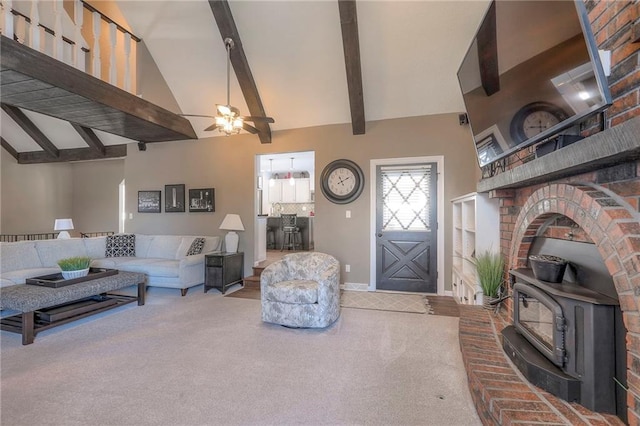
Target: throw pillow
[121,245]
[196,246]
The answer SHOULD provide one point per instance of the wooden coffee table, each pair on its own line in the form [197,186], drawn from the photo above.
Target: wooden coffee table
[40,308]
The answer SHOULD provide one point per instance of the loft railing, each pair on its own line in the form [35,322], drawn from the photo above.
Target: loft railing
[93,43]
[11,238]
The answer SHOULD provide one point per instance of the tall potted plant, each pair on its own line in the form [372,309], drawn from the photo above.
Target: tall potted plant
[490,270]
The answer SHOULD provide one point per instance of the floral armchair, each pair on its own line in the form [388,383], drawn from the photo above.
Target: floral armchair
[301,290]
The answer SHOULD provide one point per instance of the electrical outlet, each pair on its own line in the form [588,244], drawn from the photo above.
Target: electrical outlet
[347,268]
[348,214]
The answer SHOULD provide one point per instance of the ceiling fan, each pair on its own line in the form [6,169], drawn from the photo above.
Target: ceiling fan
[228,119]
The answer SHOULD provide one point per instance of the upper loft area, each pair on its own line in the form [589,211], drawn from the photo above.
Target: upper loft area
[66,61]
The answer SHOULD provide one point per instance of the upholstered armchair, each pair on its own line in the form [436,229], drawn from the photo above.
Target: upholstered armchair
[301,290]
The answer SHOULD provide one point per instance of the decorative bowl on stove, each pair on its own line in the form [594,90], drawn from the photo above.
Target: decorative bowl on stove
[547,267]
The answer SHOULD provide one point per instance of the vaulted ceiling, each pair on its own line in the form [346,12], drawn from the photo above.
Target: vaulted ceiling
[409,55]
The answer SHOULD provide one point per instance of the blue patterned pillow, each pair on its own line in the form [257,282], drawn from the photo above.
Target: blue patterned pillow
[121,245]
[196,246]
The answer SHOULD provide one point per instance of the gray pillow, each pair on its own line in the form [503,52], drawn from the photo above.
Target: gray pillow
[196,246]
[121,245]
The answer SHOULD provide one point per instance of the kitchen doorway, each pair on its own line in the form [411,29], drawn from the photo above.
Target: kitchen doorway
[285,184]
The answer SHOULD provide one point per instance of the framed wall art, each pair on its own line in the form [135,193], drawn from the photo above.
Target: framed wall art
[202,200]
[174,198]
[149,201]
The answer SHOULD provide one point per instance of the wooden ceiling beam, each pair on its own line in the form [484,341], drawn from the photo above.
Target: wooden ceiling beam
[30,128]
[488,53]
[351,47]
[227,26]
[90,138]
[7,146]
[74,154]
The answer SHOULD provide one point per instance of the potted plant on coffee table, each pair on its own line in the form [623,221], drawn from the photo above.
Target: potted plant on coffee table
[490,271]
[74,267]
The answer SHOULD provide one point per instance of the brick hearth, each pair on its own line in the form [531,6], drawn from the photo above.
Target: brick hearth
[501,394]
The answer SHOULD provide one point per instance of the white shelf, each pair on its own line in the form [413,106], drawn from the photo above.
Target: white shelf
[476,228]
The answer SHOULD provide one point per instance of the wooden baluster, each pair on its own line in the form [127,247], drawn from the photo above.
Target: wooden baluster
[58,42]
[34,30]
[21,29]
[97,64]
[127,62]
[7,18]
[78,18]
[113,66]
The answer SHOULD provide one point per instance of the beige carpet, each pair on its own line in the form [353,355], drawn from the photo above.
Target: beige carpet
[383,301]
[204,359]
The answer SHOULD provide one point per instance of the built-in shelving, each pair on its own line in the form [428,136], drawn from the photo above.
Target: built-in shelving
[476,228]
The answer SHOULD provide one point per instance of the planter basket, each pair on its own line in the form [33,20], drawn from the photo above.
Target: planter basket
[68,275]
[548,268]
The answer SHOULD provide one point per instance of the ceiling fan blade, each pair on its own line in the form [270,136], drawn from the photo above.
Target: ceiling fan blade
[249,128]
[197,115]
[256,118]
[210,128]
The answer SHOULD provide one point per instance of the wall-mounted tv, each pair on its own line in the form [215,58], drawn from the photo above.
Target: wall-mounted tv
[532,71]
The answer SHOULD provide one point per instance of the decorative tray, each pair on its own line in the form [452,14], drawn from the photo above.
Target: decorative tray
[56,280]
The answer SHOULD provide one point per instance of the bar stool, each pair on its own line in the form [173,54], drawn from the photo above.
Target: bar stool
[290,231]
[271,238]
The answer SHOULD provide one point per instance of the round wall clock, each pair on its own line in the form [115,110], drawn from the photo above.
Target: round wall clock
[342,181]
[535,118]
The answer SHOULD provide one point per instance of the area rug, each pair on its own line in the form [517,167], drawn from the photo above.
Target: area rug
[383,301]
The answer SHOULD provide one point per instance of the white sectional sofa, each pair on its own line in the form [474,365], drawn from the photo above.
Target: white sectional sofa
[163,258]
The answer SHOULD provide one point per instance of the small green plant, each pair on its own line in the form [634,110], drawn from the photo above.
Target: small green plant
[490,269]
[74,263]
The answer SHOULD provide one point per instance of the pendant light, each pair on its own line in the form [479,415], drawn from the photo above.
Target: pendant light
[291,180]
[272,181]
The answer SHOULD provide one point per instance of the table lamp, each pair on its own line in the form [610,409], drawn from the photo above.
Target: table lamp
[231,223]
[63,225]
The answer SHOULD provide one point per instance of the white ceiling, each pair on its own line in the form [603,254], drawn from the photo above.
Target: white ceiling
[410,53]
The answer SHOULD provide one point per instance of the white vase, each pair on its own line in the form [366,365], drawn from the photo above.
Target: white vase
[68,275]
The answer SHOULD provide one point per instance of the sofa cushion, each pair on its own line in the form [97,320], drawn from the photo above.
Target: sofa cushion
[152,267]
[292,291]
[142,244]
[95,246]
[19,276]
[50,251]
[120,245]
[20,255]
[164,246]
[196,246]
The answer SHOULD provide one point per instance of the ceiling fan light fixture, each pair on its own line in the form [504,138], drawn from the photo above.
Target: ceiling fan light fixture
[228,119]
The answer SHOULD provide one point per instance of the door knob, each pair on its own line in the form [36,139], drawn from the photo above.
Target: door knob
[380,235]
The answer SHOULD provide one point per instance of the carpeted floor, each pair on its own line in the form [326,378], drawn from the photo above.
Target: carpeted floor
[204,359]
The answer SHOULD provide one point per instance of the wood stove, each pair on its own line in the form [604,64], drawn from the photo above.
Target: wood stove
[568,339]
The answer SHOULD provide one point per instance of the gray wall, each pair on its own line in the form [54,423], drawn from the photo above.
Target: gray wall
[227,164]
[34,195]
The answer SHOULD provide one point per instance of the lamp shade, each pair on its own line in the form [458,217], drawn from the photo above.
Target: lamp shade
[63,225]
[232,222]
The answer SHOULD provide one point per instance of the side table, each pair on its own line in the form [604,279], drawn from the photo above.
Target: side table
[222,270]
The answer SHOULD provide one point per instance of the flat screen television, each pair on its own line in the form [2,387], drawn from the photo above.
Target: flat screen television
[532,71]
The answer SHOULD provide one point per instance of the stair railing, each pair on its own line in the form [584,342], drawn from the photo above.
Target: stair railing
[43,25]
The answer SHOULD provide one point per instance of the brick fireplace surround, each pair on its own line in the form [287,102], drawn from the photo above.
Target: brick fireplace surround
[588,191]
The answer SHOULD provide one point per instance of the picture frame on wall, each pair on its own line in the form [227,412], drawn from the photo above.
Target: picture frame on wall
[202,200]
[149,201]
[174,198]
